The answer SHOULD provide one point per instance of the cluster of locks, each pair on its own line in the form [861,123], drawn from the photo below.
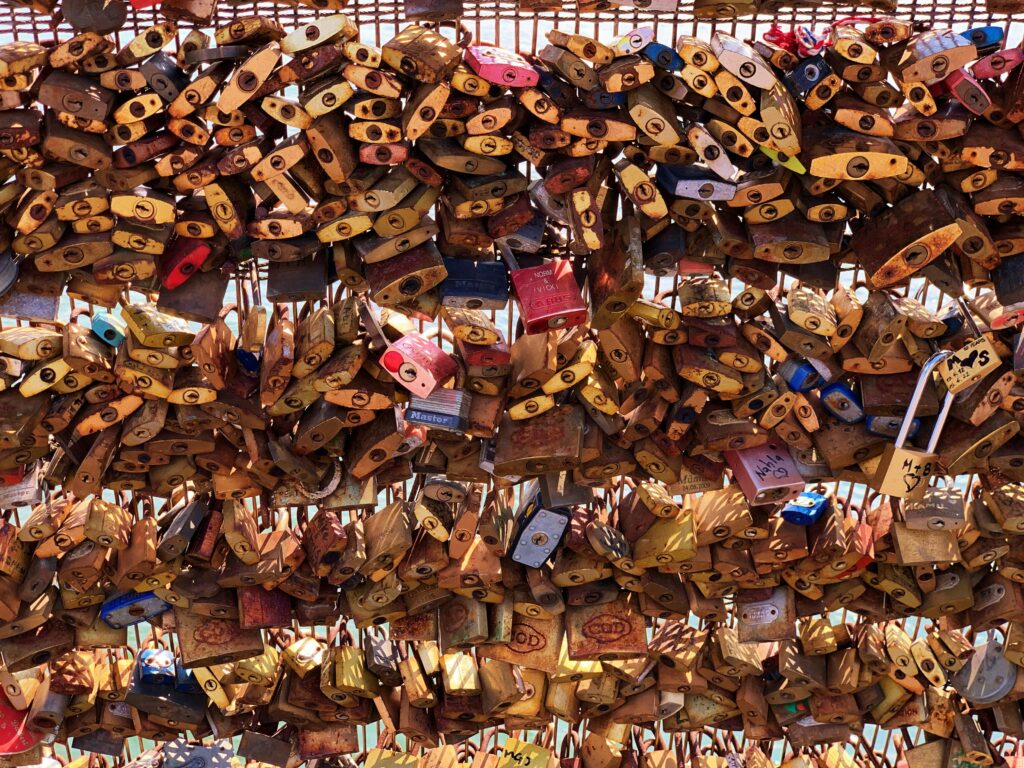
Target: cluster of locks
[620,516]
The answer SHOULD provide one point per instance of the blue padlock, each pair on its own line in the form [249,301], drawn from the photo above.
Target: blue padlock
[802,79]
[529,238]
[156,667]
[694,182]
[799,375]
[110,328]
[986,39]
[475,284]
[185,681]
[132,608]
[842,402]
[664,56]
[889,426]
[806,508]
[953,318]
[250,361]
[598,98]
[556,89]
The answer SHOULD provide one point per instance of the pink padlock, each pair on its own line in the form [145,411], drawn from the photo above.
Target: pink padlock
[502,67]
[765,473]
[966,89]
[418,364]
[998,63]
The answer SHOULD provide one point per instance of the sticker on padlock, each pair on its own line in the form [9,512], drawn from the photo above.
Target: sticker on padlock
[446,409]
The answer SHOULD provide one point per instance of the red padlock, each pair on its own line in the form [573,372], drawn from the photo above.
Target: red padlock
[183,258]
[484,355]
[13,476]
[968,91]
[765,473]
[418,364]
[15,735]
[548,297]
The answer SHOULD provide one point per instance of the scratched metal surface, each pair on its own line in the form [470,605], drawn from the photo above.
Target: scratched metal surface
[500,22]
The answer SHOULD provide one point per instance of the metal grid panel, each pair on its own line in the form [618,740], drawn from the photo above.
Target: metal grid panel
[502,23]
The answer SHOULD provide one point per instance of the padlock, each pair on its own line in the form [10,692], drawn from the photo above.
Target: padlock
[765,473]
[418,365]
[538,531]
[156,666]
[547,296]
[806,508]
[903,472]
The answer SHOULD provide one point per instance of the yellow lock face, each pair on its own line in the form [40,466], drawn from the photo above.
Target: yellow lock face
[904,473]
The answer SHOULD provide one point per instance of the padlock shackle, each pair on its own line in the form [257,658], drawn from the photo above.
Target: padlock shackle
[940,422]
[506,254]
[922,379]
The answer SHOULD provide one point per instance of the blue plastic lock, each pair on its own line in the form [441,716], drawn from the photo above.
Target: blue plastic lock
[986,39]
[806,508]
[664,56]
[109,328]
[799,375]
